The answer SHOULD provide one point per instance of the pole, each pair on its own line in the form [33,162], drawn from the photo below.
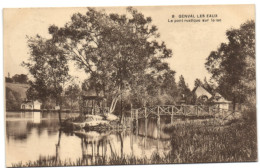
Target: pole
[172,116]
[136,117]
[131,120]
[158,121]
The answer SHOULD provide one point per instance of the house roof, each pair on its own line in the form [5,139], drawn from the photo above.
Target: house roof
[27,102]
[218,98]
[199,91]
[31,102]
[91,95]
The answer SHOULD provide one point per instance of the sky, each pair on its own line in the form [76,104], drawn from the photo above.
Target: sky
[190,42]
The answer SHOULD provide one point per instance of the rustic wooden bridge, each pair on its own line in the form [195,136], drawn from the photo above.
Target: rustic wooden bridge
[181,110]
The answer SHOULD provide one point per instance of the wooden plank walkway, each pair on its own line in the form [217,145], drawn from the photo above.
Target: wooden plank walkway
[181,110]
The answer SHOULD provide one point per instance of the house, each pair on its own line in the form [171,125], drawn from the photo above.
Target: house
[202,93]
[221,102]
[57,107]
[218,100]
[31,105]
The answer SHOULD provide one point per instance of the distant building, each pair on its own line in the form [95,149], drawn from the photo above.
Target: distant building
[221,102]
[31,105]
[218,100]
[202,93]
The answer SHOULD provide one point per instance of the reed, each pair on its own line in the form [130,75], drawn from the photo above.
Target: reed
[191,143]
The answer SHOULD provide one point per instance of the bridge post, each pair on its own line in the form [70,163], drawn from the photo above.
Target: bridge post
[136,117]
[172,116]
[145,120]
[131,119]
[158,120]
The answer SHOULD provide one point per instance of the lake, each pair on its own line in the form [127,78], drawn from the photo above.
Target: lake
[30,135]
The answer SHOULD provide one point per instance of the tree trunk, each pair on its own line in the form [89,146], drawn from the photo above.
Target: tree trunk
[121,110]
[60,104]
[113,104]
[58,147]
[71,101]
[234,104]
[122,144]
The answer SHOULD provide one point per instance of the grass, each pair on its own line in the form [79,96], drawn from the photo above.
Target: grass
[195,142]
[235,142]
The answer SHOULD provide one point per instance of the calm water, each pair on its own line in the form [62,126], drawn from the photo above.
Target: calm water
[30,135]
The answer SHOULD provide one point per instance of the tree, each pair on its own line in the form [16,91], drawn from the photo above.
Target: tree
[8,80]
[72,93]
[48,66]
[197,82]
[116,50]
[233,65]
[184,91]
[13,99]
[169,87]
[20,78]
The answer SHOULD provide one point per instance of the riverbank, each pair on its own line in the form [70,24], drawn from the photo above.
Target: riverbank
[191,143]
[43,110]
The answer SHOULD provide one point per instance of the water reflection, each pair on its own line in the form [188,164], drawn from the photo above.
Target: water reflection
[30,136]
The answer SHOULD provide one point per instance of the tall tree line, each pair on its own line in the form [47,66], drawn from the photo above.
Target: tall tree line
[232,65]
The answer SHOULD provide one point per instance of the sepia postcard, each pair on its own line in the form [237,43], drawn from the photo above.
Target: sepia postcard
[129,85]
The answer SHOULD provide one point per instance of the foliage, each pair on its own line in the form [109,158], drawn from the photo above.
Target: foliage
[13,99]
[17,78]
[20,78]
[118,51]
[72,94]
[233,65]
[8,80]
[197,82]
[48,66]
[184,92]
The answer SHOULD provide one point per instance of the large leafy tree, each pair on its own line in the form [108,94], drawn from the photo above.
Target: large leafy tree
[117,51]
[232,65]
[48,66]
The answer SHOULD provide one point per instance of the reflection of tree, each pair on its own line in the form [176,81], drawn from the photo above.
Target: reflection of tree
[51,126]
[97,146]
[93,151]
[58,147]
[17,130]
[121,142]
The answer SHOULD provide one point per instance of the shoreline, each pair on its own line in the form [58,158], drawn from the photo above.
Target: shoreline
[45,110]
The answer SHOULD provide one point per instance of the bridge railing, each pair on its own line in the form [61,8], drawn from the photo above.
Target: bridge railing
[186,110]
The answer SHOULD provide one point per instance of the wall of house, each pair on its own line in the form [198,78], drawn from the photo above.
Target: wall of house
[37,106]
[224,106]
[27,106]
